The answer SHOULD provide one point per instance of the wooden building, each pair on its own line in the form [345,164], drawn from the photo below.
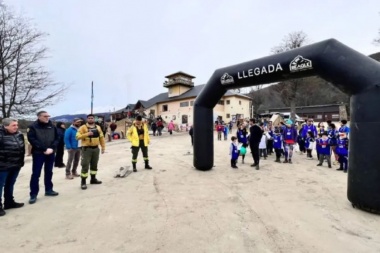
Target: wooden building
[320,113]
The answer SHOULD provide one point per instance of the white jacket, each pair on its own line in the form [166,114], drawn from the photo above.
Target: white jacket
[263,142]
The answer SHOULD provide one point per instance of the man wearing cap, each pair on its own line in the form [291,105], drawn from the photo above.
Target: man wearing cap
[290,138]
[91,136]
[73,149]
[138,135]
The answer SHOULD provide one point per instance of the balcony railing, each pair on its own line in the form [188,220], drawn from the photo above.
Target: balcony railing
[178,81]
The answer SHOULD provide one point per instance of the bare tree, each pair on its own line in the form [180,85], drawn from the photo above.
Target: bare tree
[25,86]
[257,98]
[289,89]
[376,41]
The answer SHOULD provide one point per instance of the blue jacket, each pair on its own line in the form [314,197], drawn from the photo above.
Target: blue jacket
[277,141]
[342,147]
[324,147]
[241,134]
[70,141]
[290,133]
[308,141]
[234,152]
[306,128]
[333,136]
[344,129]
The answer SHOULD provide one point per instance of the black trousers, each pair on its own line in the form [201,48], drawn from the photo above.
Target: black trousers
[255,152]
[278,151]
[135,151]
[270,147]
[301,144]
[59,154]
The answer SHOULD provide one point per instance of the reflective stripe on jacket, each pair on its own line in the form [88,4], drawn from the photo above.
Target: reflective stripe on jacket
[133,136]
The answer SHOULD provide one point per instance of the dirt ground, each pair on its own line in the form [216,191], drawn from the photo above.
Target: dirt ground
[175,208]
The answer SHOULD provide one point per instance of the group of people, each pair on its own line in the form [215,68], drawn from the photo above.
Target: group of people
[83,141]
[265,140]
[223,129]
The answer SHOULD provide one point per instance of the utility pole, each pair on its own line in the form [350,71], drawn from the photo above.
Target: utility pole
[92,96]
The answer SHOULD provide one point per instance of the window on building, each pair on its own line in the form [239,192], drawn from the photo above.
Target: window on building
[335,116]
[184,119]
[164,108]
[192,103]
[228,116]
[319,116]
[220,102]
[227,102]
[184,104]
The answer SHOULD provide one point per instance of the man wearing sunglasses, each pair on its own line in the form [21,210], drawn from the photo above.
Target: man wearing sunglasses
[44,138]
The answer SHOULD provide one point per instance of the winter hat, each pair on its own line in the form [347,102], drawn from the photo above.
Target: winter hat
[289,122]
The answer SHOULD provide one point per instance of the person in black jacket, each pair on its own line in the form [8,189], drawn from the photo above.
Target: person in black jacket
[255,134]
[58,161]
[191,133]
[12,155]
[44,138]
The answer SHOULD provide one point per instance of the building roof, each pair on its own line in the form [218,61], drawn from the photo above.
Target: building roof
[129,106]
[375,56]
[309,109]
[179,73]
[191,93]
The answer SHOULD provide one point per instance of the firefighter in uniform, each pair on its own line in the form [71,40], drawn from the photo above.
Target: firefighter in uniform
[138,135]
[91,136]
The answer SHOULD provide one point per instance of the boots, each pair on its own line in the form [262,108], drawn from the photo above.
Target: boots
[2,212]
[233,164]
[277,160]
[83,184]
[134,167]
[147,165]
[12,204]
[94,180]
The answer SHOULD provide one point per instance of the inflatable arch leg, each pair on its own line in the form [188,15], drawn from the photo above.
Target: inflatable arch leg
[353,73]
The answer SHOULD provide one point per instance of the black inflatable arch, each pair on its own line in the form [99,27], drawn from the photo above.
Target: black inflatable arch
[353,73]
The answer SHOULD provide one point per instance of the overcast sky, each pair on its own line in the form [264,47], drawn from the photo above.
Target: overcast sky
[128,47]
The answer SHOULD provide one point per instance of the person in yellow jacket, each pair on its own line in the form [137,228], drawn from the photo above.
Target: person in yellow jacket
[91,136]
[138,135]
